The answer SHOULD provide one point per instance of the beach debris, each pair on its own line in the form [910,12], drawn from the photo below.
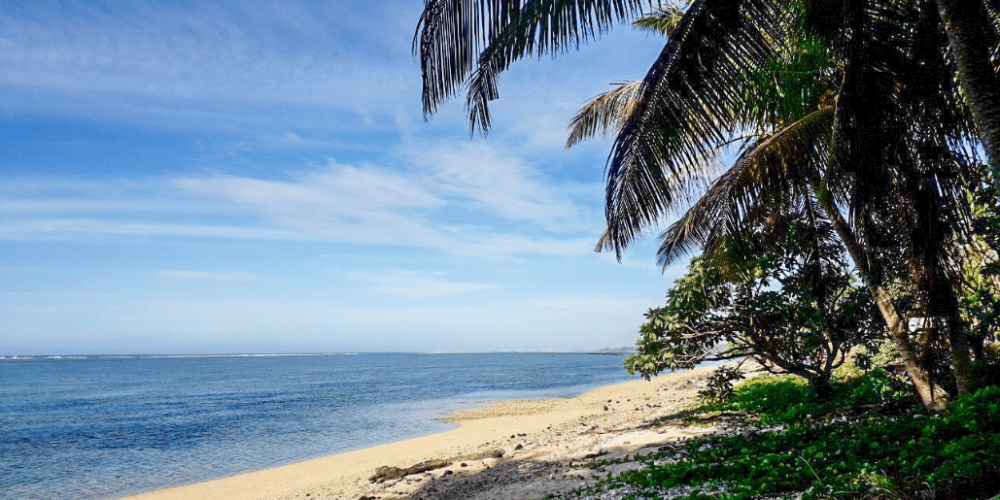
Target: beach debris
[388,473]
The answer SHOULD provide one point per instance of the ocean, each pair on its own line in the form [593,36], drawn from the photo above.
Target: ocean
[105,427]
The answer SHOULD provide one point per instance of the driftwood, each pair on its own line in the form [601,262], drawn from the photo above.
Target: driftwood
[387,473]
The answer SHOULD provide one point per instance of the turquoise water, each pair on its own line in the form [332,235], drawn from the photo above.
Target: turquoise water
[107,427]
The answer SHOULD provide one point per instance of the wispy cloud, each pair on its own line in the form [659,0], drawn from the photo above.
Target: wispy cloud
[343,203]
[479,177]
[257,52]
[66,228]
[467,199]
[188,142]
[463,199]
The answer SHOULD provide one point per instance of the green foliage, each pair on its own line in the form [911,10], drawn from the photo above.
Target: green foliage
[693,304]
[848,371]
[785,298]
[886,355]
[876,387]
[790,399]
[664,21]
[720,384]
[953,454]
[789,86]
[781,399]
[980,297]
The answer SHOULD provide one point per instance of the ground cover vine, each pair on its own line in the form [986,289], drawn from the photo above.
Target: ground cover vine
[865,443]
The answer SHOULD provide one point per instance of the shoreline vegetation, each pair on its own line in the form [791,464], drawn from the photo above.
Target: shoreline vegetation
[771,437]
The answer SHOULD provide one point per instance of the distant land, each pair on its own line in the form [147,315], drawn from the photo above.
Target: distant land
[615,351]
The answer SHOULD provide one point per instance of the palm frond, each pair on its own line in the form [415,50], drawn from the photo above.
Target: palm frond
[901,141]
[993,11]
[664,21]
[459,39]
[901,129]
[770,171]
[692,100]
[606,113]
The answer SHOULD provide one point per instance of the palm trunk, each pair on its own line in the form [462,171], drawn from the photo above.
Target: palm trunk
[960,348]
[933,397]
[933,279]
[961,357]
[965,21]
[943,303]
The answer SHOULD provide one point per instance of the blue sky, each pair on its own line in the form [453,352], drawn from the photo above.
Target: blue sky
[250,176]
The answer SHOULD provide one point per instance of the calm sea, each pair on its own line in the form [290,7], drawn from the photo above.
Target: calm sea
[107,427]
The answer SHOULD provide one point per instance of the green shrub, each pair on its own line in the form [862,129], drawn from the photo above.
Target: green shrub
[781,399]
[876,387]
[902,455]
[720,384]
[847,371]
[954,454]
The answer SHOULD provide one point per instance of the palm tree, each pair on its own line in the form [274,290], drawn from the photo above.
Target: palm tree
[787,167]
[469,42]
[706,87]
[794,161]
[973,29]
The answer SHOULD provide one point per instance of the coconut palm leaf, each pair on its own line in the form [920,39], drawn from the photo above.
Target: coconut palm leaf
[769,172]
[604,114]
[694,98]
[899,124]
[664,21]
[993,12]
[453,37]
[608,112]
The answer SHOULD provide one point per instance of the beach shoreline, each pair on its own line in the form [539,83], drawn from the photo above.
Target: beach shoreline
[506,449]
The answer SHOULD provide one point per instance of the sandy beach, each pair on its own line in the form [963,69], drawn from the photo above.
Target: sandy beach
[507,450]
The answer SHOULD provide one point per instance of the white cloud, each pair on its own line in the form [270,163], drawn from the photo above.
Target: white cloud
[499,245]
[478,176]
[343,203]
[259,52]
[502,205]
[338,190]
[63,228]
[467,201]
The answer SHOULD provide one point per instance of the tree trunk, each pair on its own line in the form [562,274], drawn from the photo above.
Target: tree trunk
[961,350]
[943,303]
[965,21]
[933,397]
[933,279]
[961,359]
